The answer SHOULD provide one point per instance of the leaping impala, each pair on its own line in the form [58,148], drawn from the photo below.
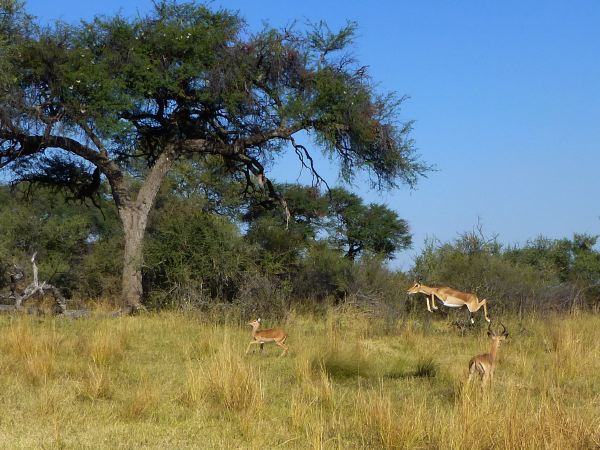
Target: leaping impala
[484,365]
[452,298]
[263,336]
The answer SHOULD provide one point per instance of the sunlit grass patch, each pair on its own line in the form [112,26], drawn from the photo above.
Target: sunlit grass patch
[232,383]
[170,381]
[31,350]
[106,345]
[344,361]
[226,379]
[379,423]
[143,402]
[396,368]
[96,384]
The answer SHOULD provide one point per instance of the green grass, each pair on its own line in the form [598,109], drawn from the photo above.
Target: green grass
[172,380]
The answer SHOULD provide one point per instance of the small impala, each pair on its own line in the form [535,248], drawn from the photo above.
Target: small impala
[450,297]
[264,336]
[484,365]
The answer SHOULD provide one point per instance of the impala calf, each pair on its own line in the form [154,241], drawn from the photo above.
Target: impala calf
[484,365]
[451,298]
[264,336]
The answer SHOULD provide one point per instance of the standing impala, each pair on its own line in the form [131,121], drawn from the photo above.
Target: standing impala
[484,365]
[263,336]
[452,298]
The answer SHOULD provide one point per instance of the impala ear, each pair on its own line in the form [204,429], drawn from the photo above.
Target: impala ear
[258,320]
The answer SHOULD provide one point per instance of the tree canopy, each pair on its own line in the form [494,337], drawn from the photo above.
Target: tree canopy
[125,98]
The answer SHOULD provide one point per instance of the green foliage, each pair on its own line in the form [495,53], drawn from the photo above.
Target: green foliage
[14,24]
[569,260]
[337,216]
[377,290]
[285,244]
[62,237]
[280,248]
[190,254]
[322,273]
[357,228]
[206,181]
[186,72]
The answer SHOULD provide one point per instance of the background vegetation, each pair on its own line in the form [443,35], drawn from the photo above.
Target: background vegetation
[203,249]
[134,152]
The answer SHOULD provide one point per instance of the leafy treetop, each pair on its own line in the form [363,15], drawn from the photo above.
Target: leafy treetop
[117,93]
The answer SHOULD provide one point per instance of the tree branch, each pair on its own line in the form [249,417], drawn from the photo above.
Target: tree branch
[302,153]
[277,133]
[153,181]
[33,144]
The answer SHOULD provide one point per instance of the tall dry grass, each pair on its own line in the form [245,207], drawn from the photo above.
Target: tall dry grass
[174,380]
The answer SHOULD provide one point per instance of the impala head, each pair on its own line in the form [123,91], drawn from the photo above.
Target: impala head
[255,323]
[499,337]
[415,289]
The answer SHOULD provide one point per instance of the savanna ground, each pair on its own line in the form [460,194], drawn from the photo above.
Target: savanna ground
[181,380]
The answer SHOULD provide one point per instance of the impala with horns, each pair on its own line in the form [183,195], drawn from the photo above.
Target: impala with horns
[450,297]
[484,365]
[264,336]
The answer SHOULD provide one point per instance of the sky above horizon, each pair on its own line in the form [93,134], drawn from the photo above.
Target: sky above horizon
[505,97]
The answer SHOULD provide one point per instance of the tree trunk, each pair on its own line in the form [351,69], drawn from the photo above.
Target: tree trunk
[134,227]
[134,217]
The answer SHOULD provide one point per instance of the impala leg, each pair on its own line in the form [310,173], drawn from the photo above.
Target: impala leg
[433,301]
[250,345]
[485,378]
[283,346]
[470,316]
[472,372]
[428,307]
[485,312]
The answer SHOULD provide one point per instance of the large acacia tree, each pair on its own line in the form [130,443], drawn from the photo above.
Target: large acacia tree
[125,99]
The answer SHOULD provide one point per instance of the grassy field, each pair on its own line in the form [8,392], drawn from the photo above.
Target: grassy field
[175,380]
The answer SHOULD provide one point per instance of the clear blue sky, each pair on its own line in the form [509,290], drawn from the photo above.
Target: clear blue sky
[505,94]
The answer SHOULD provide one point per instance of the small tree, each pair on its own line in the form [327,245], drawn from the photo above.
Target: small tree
[338,215]
[285,245]
[357,228]
[126,98]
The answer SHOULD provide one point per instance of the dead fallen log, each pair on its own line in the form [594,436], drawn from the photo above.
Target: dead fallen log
[6,309]
[40,290]
[69,313]
[76,313]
